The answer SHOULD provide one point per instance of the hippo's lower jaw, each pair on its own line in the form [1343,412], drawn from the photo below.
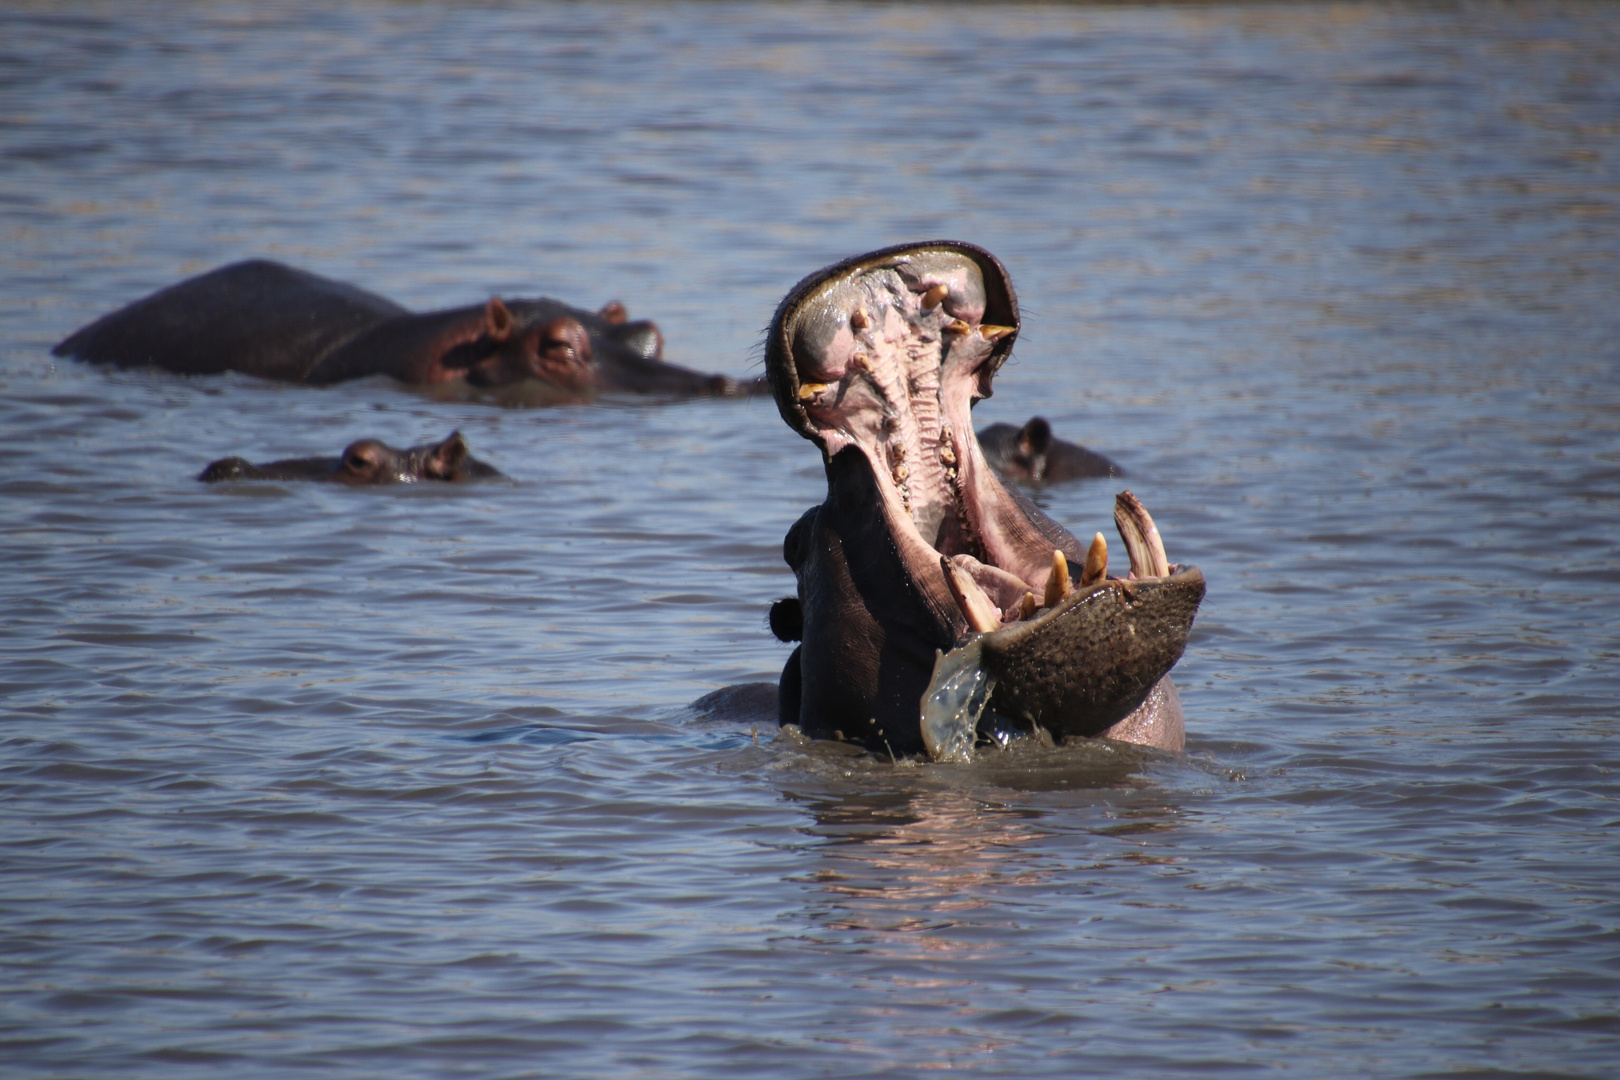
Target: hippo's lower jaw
[920,550]
[1086,666]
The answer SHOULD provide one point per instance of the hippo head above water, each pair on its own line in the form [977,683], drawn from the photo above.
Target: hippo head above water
[364,463]
[277,322]
[927,591]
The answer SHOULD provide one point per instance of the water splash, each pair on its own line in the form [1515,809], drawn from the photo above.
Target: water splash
[954,701]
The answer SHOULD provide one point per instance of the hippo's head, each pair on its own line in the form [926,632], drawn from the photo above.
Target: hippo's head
[364,462]
[578,353]
[919,550]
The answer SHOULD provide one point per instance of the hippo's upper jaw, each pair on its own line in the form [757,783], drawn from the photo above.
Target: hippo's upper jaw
[919,548]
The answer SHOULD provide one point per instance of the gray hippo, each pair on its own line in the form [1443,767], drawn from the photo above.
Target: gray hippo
[364,462]
[929,594]
[1033,453]
[273,321]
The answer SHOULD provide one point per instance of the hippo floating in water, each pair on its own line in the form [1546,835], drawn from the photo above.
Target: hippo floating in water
[932,598]
[262,318]
[365,461]
[1032,453]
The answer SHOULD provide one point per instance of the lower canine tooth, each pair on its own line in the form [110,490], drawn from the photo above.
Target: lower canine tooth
[980,613]
[1141,537]
[934,297]
[995,333]
[1161,562]
[1096,561]
[1057,583]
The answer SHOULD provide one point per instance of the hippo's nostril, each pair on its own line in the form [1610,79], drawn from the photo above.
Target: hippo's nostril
[231,468]
[642,338]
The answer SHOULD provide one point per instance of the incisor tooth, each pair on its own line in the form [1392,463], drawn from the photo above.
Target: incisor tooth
[934,297]
[995,333]
[1057,583]
[859,320]
[958,328]
[980,613]
[1028,606]
[811,389]
[1096,561]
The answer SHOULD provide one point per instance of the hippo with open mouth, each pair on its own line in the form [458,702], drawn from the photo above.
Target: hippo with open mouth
[933,602]
[277,322]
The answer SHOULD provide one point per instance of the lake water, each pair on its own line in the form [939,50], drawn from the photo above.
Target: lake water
[305,781]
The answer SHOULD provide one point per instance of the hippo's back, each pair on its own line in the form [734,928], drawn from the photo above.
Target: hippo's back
[258,317]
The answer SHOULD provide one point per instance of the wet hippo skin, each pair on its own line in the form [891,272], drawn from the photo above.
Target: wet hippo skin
[364,462]
[276,322]
[1033,453]
[920,550]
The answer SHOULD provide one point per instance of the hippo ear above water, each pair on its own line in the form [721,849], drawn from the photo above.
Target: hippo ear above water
[446,458]
[1035,437]
[497,320]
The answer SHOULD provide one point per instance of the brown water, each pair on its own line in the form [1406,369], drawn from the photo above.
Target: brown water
[303,781]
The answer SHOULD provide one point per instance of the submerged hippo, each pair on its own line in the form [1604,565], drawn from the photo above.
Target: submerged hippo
[365,461]
[1032,453]
[262,318]
[919,550]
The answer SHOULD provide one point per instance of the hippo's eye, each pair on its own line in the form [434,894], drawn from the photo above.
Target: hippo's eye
[361,458]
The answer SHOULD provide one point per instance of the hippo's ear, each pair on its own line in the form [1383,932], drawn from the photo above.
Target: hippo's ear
[787,619]
[446,458]
[1035,437]
[497,320]
[613,313]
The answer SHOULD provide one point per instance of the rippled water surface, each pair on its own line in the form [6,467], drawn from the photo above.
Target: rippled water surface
[306,781]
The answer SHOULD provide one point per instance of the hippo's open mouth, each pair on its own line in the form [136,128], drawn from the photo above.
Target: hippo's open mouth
[878,360]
